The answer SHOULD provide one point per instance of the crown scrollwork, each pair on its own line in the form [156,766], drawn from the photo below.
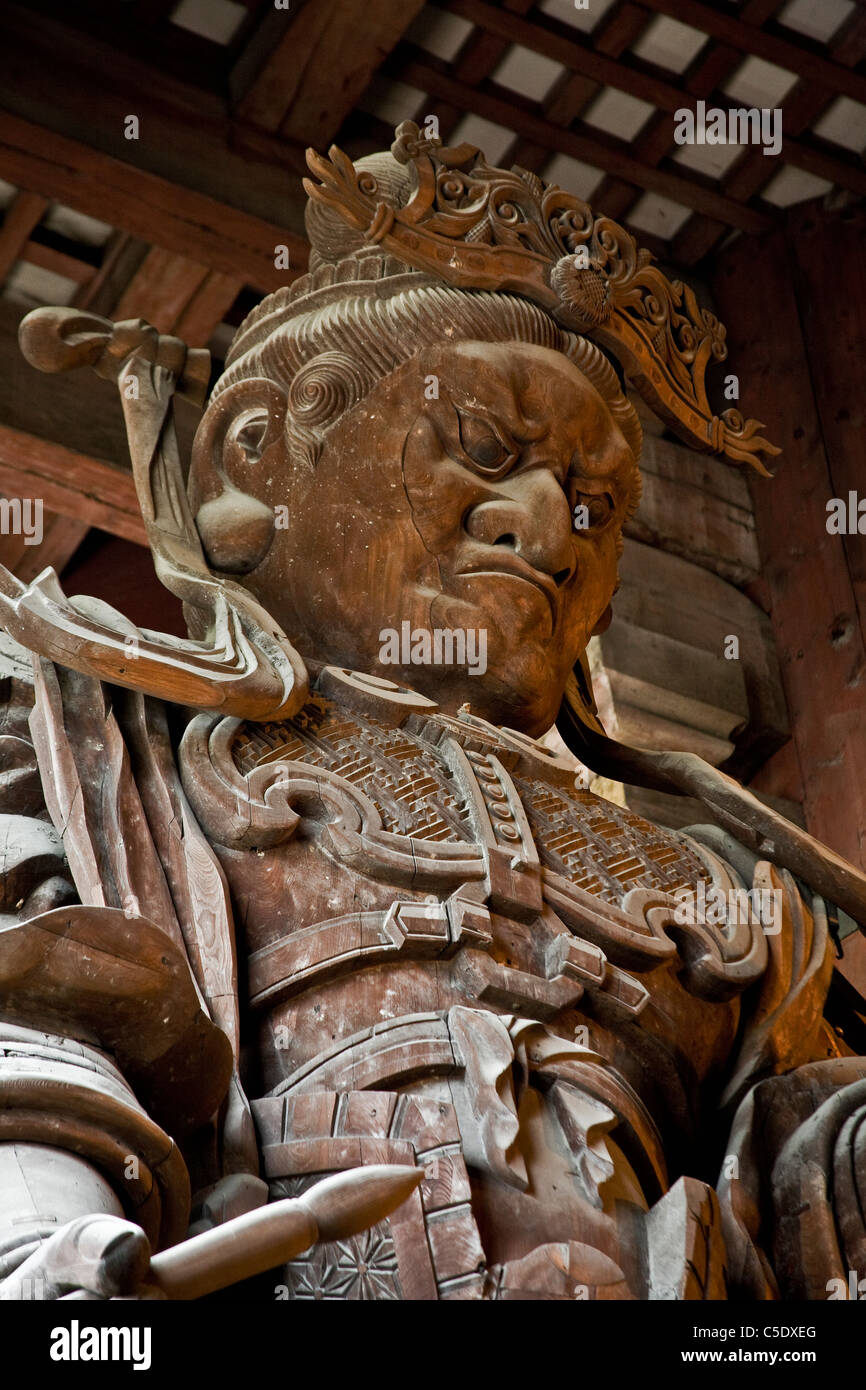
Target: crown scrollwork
[480,227]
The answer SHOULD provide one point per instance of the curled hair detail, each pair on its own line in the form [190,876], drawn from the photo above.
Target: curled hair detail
[327,342]
[325,388]
[590,360]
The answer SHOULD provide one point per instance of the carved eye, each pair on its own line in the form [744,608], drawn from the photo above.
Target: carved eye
[482,444]
[591,510]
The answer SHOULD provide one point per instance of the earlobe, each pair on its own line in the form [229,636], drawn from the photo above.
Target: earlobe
[227,485]
[236,531]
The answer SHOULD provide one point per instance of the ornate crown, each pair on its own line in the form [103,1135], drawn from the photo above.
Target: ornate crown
[480,227]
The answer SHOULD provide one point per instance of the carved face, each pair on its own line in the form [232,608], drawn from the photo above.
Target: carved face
[451,513]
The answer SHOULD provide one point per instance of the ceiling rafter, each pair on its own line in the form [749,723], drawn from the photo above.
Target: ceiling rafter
[321,66]
[70,483]
[501,107]
[146,205]
[665,95]
[802,106]
[702,79]
[617,31]
[752,39]
[20,219]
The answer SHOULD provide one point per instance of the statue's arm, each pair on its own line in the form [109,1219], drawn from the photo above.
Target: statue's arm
[80,1053]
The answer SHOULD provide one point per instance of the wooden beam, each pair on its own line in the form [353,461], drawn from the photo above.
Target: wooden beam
[758,12]
[264,96]
[620,28]
[61,537]
[167,49]
[822,658]
[71,484]
[161,289]
[58,262]
[207,308]
[178,296]
[122,257]
[186,223]
[611,155]
[801,108]
[22,216]
[561,107]
[850,42]
[665,96]
[679,604]
[829,254]
[57,75]
[13,546]
[697,507]
[478,56]
[615,197]
[695,239]
[717,61]
[748,38]
[322,66]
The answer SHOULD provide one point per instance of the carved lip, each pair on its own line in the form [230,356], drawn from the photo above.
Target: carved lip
[519,569]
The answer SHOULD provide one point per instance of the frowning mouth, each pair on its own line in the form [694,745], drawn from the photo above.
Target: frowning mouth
[517,569]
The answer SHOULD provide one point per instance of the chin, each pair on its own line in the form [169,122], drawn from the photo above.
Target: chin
[523,693]
[525,683]
[531,712]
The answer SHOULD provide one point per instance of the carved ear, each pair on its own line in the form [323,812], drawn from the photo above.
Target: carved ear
[227,479]
[604,621]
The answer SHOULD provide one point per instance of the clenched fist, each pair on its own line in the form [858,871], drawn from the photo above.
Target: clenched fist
[92,1257]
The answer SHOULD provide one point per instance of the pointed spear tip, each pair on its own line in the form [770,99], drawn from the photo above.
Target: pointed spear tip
[350,1202]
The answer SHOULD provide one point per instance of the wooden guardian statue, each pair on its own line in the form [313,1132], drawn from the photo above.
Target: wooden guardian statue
[301,916]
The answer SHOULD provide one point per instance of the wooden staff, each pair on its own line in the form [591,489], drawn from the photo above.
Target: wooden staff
[336,1208]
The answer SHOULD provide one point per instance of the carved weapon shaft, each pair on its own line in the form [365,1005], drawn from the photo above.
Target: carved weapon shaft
[334,1209]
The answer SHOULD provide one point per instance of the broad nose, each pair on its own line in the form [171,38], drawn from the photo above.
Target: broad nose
[531,517]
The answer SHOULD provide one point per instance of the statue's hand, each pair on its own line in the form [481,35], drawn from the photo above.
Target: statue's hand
[92,1257]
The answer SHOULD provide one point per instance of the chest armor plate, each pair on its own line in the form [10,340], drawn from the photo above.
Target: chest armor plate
[468,843]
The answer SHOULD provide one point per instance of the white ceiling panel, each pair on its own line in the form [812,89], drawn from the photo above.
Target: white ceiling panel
[794,186]
[493,140]
[526,72]
[584,17]
[712,160]
[218,20]
[87,231]
[573,175]
[844,122]
[669,43]
[757,83]
[618,113]
[816,19]
[32,284]
[392,102]
[439,33]
[660,216]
